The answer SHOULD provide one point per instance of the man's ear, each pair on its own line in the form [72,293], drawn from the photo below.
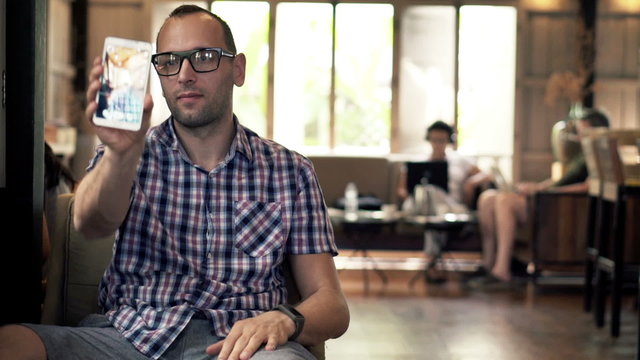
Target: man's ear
[239,67]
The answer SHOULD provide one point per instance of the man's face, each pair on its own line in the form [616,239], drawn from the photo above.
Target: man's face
[438,140]
[198,99]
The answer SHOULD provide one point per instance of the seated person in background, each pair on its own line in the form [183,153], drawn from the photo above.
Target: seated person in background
[499,213]
[465,178]
[205,213]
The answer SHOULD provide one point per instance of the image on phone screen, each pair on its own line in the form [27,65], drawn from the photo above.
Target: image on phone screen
[123,83]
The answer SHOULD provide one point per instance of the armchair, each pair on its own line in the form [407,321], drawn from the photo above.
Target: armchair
[76,266]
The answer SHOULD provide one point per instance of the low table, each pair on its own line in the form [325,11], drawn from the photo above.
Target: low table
[444,223]
[361,227]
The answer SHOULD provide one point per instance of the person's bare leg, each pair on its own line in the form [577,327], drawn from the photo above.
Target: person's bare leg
[487,222]
[18,342]
[510,209]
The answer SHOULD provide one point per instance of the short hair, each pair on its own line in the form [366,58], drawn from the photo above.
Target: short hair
[595,118]
[183,10]
[443,126]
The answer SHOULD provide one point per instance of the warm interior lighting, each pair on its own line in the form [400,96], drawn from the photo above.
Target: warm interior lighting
[626,5]
[542,4]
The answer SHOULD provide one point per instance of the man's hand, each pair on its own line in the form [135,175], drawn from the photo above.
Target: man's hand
[272,328]
[119,141]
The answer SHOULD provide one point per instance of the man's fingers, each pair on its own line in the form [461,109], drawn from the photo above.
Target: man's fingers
[215,348]
[251,347]
[90,110]
[272,343]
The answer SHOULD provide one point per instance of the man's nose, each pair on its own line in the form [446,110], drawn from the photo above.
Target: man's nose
[186,73]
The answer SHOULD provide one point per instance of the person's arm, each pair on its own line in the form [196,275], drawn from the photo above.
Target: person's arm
[581,187]
[401,186]
[475,180]
[323,306]
[323,303]
[102,197]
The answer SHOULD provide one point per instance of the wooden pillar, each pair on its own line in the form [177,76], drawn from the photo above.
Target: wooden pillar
[587,39]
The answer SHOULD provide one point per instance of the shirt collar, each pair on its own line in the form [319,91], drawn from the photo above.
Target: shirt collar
[166,135]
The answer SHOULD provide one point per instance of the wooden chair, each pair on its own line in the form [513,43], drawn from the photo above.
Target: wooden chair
[593,216]
[621,182]
[557,226]
[76,267]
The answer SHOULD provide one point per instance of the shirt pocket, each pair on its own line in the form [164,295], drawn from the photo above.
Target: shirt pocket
[257,227]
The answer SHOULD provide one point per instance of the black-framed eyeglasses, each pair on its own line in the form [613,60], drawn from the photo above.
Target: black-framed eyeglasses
[201,60]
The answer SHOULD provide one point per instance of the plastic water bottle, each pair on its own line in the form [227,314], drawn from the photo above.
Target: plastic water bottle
[351,199]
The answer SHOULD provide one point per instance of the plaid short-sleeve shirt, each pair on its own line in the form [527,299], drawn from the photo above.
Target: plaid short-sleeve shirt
[209,242]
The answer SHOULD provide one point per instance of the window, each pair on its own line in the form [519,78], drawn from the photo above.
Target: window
[332,70]
[249,22]
[481,103]
[364,53]
[302,76]
[361,102]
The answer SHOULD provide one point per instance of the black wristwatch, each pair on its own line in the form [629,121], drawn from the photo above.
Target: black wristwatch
[297,318]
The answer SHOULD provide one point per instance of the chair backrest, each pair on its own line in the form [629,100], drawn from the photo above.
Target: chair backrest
[77,265]
[618,155]
[370,174]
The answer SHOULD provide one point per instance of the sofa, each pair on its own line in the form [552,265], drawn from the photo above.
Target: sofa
[75,267]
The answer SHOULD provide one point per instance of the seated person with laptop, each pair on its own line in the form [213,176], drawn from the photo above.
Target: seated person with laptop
[455,177]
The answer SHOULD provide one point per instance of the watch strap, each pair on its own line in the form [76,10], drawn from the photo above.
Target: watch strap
[298,319]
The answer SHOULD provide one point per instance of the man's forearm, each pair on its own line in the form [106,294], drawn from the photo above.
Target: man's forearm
[102,198]
[326,316]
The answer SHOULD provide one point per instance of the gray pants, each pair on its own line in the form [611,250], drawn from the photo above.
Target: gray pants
[96,339]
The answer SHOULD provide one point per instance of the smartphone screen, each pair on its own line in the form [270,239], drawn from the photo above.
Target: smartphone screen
[123,83]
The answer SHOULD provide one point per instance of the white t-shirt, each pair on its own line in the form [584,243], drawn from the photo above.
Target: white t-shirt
[459,169]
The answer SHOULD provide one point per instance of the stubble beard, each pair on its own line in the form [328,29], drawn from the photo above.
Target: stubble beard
[210,115]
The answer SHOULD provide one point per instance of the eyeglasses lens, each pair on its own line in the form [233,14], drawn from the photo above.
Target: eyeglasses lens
[201,61]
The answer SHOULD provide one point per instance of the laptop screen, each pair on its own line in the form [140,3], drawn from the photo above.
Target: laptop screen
[435,172]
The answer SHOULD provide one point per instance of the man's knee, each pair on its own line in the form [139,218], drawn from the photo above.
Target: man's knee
[20,342]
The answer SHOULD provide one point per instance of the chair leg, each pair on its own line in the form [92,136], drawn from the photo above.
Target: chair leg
[599,298]
[638,332]
[588,285]
[618,263]
[592,252]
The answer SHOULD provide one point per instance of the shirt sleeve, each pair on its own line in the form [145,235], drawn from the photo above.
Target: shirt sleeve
[311,229]
[576,173]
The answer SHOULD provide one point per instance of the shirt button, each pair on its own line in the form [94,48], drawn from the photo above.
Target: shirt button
[209,255]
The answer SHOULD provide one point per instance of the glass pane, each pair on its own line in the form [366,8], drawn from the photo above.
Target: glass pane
[363,77]
[302,82]
[249,22]
[427,73]
[486,95]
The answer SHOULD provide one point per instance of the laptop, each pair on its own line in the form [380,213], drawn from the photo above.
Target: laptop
[434,172]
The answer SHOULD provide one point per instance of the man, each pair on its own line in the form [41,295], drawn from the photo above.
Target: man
[499,213]
[206,212]
[464,178]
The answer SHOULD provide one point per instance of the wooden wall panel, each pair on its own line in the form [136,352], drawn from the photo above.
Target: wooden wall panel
[550,44]
[127,19]
[621,105]
[630,44]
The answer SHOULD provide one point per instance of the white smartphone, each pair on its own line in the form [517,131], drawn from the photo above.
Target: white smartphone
[123,83]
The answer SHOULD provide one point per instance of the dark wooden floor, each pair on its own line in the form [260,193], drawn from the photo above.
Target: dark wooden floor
[451,321]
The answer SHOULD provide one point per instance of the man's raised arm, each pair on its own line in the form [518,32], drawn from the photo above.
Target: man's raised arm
[102,198]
